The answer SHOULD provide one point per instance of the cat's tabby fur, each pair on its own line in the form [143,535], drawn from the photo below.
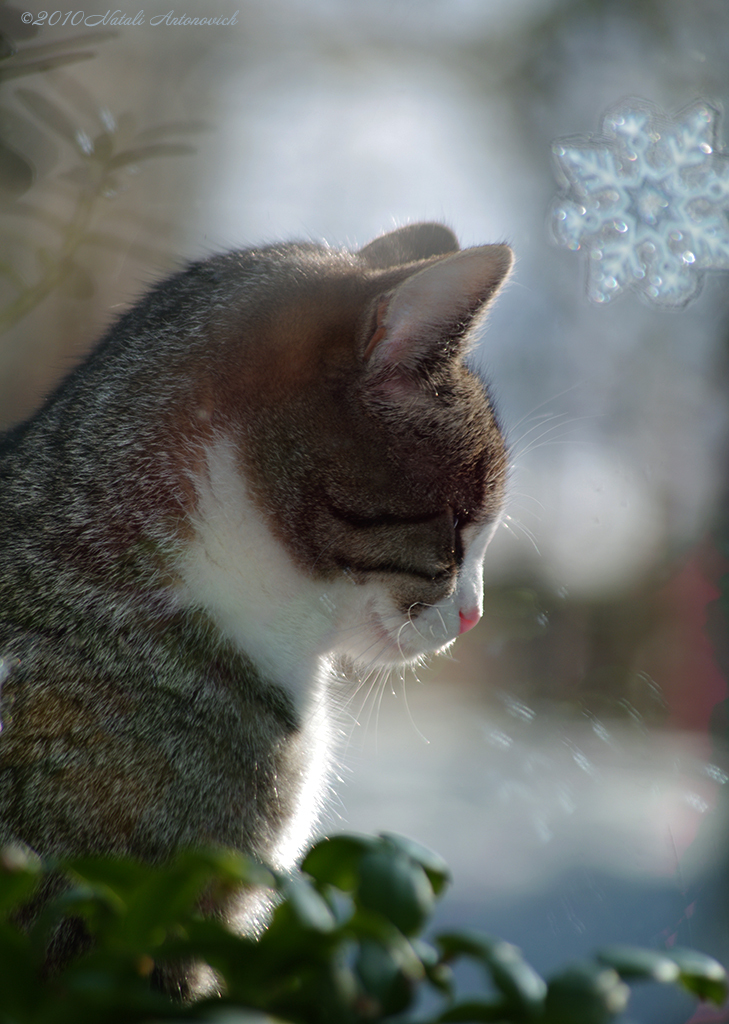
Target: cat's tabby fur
[274,464]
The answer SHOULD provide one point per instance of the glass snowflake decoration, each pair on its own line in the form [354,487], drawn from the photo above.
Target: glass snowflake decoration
[647,200]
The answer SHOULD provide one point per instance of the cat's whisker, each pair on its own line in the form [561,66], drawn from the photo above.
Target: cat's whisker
[410,622]
[524,496]
[511,524]
[378,643]
[442,620]
[548,436]
[385,678]
[419,732]
[550,421]
[356,704]
[547,401]
[431,629]
[362,680]
[372,694]
[325,548]
[372,701]
[364,660]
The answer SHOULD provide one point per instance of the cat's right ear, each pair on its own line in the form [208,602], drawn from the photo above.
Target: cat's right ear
[434,312]
[408,244]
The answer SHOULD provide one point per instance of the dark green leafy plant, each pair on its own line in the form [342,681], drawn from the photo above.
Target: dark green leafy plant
[343,945]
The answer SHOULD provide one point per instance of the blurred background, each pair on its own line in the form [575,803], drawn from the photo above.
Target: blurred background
[568,760]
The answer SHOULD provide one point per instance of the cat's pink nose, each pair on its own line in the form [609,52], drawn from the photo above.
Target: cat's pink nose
[469,619]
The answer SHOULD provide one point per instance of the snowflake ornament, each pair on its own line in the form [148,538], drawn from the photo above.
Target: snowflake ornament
[648,201]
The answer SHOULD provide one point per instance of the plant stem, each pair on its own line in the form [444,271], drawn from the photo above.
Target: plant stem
[59,269]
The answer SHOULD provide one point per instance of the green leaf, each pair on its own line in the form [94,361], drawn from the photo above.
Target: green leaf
[523,988]
[335,861]
[236,868]
[432,863]
[519,982]
[117,873]
[15,889]
[89,898]
[139,903]
[385,976]
[236,958]
[700,974]
[586,994]
[638,964]
[307,906]
[438,974]
[393,885]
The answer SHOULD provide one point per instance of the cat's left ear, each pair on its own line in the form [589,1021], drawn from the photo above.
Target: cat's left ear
[435,310]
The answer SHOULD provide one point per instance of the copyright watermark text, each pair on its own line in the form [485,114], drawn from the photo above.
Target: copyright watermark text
[118,18]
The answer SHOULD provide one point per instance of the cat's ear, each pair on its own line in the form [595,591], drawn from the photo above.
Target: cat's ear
[408,244]
[433,311]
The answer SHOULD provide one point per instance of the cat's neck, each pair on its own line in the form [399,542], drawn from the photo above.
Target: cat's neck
[236,571]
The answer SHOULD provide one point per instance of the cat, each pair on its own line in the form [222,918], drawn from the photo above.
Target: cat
[275,465]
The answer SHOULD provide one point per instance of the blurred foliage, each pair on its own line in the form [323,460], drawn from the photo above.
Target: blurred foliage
[343,945]
[37,135]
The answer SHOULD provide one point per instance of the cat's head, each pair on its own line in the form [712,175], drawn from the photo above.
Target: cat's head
[369,450]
